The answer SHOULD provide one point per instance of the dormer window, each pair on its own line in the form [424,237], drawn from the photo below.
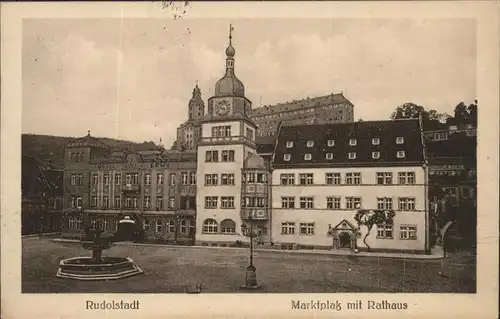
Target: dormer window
[401,154]
[375,141]
[353,142]
[331,143]
[287,157]
[375,155]
[307,156]
[310,143]
[352,155]
[329,156]
[289,144]
[400,140]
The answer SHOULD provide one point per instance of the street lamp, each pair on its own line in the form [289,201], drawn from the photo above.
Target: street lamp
[250,272]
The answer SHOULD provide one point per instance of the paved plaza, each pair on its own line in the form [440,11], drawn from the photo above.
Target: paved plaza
[177,269]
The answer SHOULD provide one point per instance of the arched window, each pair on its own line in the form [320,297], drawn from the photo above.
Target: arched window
[210,226]
[228,226]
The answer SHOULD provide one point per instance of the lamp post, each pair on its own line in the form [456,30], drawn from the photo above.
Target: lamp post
[250,272]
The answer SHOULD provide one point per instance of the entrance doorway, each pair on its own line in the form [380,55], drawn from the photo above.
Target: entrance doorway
[345,240]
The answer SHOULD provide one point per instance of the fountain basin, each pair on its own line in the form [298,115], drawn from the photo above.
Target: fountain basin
[87,268]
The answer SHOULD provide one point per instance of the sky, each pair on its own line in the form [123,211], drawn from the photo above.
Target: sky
[133,78]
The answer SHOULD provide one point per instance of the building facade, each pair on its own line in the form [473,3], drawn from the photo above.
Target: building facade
[156,189]
[227,139]
[324,174]
[333,108]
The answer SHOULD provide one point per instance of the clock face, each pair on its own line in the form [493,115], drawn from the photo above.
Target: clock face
[222,107]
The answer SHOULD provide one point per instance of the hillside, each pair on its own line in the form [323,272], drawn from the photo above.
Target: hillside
[51,148]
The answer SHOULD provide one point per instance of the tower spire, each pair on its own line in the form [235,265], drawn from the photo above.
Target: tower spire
[230,33]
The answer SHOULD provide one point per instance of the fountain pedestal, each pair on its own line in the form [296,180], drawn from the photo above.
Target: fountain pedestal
[97,267]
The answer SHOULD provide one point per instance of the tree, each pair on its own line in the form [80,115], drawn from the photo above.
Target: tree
[413,111]
[464,114]
[371,217]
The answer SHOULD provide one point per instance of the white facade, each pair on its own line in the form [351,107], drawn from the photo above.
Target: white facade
[412,217]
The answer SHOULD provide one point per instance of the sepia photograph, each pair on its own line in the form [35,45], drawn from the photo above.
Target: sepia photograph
[183,154]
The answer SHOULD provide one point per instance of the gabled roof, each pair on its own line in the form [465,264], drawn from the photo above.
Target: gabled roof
[363,132]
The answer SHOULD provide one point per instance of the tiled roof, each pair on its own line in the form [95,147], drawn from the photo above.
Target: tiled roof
[265,148]
[362,132]
[87,141]
[300,104]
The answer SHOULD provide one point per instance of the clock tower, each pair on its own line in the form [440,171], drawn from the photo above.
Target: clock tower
[227,139]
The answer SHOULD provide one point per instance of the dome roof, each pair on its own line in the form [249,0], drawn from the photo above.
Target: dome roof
[254,161]
[229,85]
[87,141]
[230,52]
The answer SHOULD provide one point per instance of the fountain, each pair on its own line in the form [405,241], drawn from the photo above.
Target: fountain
[97,267]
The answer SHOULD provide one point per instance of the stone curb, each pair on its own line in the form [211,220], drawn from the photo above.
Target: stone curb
[40,235]
[434,256]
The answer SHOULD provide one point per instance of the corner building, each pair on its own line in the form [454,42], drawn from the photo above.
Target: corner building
[323,174]
[227,139]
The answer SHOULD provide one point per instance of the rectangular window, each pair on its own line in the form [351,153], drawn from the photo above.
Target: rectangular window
[287,228]
[145,225]
[306,179]
[73,179]
[105,201]
[211,202]
[250,178]
[288,202]
[329,156]
[106,179]
[331,143]
[135,202]
[159,202]
[94,201]
[333,202]
[227,156]
[95,179]
[221,131]
[384,178]
[261,178]
[159,179]
[306,202]
[170,226]
[184,226]
[128,179]
[227,179]
[406,178]
[80,179]
[158,226]
[118,179]
[332,178]
[250,134]
[352,155]
[400,140]
[128,202]
[289,144]
[353,142]
[171,202]
[375,141]
[287,157]
[307,156]
[406,203]
[307,228]
[408,232]
[147,179]
[192,178]
[93,223]
[147,201]
[211,156]
[353,202]
[227,202]
[357,178]
[384,231]
[375,155]
[384,203]
[287,179]
[185,178]
[400,154]
[135,178]
[118,202]
[310,143]
[211,179]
